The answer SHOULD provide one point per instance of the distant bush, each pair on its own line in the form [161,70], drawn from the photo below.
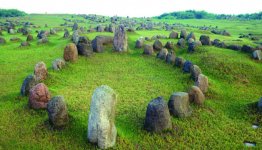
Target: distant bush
[192,14]
[11,13]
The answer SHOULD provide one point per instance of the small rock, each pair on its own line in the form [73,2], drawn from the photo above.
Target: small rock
[196,95]
[257,55]
[179,62]
[183,34]
[139,43]
[120,39]
[171,58]
[202,83]
[169,45]
[58,64]
[173,35]
[205,40]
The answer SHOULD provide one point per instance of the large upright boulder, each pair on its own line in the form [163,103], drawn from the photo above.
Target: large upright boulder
[39,96]
[40,71]
[70,52]
[84,46]
[192,47]
[171,58]
[157,116]
[101,121]
[57,112]
[75,36]
[99,42]
[178,105]
[28,83]
[187,66]
[120,39]
[202,83]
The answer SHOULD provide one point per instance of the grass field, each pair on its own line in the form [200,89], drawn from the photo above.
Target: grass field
[223,122]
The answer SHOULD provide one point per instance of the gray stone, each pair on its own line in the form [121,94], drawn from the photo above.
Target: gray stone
[171,58]
[183,34]
[139,43]
[99,42]
[157,116]
[29,38]
[84,46]
[40,71]
[202,83]
[196,96]
[178,105]
[191,35]
[195,72]
[2,40]
[29,82]
[101,122]
[70,52]
[75,26]
[257,55]
[205,40]
[173,35]
[162,54]
[192,47]
[181,42]
[169,45]
[58,64]
[148,50]
[23,44]
[157,45]
[120,39]
[57,112]
[179,62]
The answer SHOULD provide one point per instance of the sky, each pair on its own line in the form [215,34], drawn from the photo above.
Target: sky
[132,8]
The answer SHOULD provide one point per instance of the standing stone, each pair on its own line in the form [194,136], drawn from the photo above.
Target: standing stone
[195,72]
[84,46]
[192,47]
[148,50]
[139,43]
[39,96]
[57,112]
[40,71]
[202,83]
[183,34]
[66,34]
[70,52]
[257,55]
[259,105]
[29,38]
[75,36]
[101,122]
[2,40]
[181,42]
[205,40]
[157,45]
[179,62]
[99,42]
[196,96]
[191,35]
[157,116]
[162,54]
[75,26]
[58,64]
[120,39]
[171,58]
[173,35]
[169,45]
[29,82]
[187,66]
[178,105]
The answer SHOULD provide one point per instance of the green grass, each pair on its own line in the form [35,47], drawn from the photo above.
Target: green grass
[223,122]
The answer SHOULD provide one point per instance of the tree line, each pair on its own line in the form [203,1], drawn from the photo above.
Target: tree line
[11,13]
[192,14]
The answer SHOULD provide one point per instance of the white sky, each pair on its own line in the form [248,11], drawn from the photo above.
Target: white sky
[132,8]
